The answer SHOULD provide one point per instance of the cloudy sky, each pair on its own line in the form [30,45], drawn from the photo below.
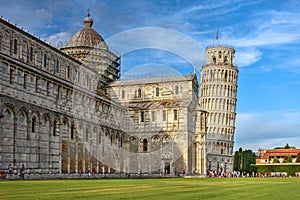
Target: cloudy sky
[174,35]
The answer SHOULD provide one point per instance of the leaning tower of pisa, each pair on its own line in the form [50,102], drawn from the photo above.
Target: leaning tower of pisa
[218,97]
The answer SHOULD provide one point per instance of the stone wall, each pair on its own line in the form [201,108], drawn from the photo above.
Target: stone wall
[52,119]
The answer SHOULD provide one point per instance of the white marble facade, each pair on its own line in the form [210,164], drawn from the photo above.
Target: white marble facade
[62,113]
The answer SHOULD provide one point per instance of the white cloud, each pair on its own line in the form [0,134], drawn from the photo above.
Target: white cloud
[43,15]
[267,129]
[269,144]
[57,38]
[245,57]
[158,38]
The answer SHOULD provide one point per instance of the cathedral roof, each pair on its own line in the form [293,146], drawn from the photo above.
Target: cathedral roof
[87,36]
[155,80]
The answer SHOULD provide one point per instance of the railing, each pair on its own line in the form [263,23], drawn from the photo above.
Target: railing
[220,45]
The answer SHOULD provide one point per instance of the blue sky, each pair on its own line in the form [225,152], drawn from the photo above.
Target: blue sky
[264,33]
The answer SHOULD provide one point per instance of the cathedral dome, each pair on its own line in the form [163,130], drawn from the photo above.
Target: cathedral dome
[87,36]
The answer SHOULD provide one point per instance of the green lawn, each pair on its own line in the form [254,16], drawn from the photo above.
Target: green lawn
[164,188]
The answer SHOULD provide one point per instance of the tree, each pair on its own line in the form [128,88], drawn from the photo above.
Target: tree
[242,160]
[287,146]
[236,161]
[298,157]
[275,160]
[288,159]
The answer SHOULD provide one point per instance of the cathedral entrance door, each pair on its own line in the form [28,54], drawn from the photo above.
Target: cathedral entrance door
[167,167]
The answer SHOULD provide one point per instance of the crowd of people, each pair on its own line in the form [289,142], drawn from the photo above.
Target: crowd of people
[237,174]
[10,171]
[210,173]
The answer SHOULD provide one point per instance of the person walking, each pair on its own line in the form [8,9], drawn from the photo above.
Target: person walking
[10,169]
[22,171]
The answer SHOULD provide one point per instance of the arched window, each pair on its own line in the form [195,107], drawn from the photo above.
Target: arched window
[139,93]
[33,125]
[67,72]
[72,131]
[123,94]
[220,54]
[175,115]
[142,116]
[55,127]
[15,46]
[157,91]
[57,66]
[31,54]
[145,145]
[226,59]
[45,60]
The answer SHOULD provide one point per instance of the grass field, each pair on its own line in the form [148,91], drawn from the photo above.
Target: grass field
[164,188]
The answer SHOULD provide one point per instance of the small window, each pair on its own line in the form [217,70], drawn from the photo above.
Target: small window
[87,136]
[139,93]
[48,88]
[142,116]
[220,54]
[72,132]
[33,125]
[45,60]
[78,76]
[175,115]
[37,84]
[99,138]
[15,46]
[153,116]
[176,90]
[68,72]
[164,115]
[222,151]
[157,92]
[226,59]
[31,54]
[57,66]
[87,81]
[11,76]
[145,145]
[24,81]
[55,126]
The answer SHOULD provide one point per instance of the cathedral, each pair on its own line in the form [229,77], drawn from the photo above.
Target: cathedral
[67,110]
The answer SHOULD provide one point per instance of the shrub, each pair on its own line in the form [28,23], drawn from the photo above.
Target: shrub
[275,160]
[290,169]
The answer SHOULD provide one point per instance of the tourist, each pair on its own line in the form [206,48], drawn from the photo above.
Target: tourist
[10,169]
[22,171]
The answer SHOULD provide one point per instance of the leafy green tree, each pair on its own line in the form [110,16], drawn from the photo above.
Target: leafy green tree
[298,157]
[275,160]
[236,161]
[288,159]
[243,160]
